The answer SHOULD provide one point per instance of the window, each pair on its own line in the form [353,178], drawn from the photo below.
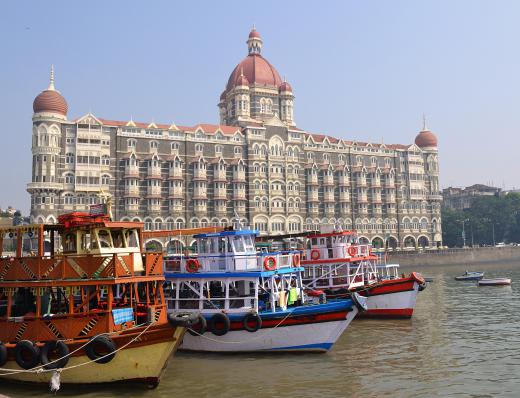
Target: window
[175,146]
[199,148]
[131,144]
[105,179]
[69,158]
[105,160]
[153,145]
[69,178]
[218,149]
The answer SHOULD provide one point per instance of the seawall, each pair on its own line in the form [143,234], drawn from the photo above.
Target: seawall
[456,256]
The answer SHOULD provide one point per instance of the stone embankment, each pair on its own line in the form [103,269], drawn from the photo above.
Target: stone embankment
[456,256]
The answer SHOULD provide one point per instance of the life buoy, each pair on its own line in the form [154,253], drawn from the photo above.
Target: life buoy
[101,349]
[270,263]
[219,324]
[192,265]
[296,260]
[252,322]
[27,354]
[62,351]
[200,327]
[3,354]
[352,251]
[315,254]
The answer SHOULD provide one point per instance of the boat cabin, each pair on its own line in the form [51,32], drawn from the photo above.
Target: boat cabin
[91,278]
[231,251]
[239,292]
[342,245]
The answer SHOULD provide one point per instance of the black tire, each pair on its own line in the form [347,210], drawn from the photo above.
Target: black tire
[252,318]
[186,320]
[100,346]
[200,327]
[3,354]
[219,319]
[27,354]
[62,351]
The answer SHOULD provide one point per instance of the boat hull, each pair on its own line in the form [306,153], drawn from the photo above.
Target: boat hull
[307,332]
[495,282]
[394,298]
[141,362]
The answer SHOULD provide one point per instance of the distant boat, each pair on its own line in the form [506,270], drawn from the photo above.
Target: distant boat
[428,279]
[470,276]
[495,282]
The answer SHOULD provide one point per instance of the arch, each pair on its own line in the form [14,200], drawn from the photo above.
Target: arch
[391,242]
[51,219]
[377,242]
[364,240]
[174,246]
[423,241]
[137,219]
[153,245]
[409,242]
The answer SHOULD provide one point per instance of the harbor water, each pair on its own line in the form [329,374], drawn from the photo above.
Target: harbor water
[463,341]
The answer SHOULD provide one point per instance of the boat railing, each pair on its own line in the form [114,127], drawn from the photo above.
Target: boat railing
[343,251]
[283,259]
[89,266]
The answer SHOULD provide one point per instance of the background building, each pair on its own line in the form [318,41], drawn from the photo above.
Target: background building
[256,163]
[462,198]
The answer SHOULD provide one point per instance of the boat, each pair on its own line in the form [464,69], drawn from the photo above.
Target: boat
[251,301]
[470,276]
[339,263]
[495,282]
[81,303]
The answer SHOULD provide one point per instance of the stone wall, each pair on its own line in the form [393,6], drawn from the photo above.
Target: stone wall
[456,256]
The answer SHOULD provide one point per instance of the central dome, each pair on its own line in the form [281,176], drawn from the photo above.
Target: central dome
[255,68]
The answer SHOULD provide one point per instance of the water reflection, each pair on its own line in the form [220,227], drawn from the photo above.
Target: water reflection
[464,340]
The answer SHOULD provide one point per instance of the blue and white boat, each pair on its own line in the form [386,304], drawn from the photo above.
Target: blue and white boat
[470,276]
[251,301]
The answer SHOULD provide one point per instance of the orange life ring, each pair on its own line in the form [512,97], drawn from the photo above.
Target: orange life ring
[352,251]
[296,260]
[192,265]
[270,263]
[315,254]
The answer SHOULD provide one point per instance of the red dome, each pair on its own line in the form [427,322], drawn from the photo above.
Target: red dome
[242,81]
[254,33]
[257,70]
[50,101]
[285,87]
[426,139]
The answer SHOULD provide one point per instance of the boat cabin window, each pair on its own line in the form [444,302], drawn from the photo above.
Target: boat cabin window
[69,243]
[249,243]
[85,241]
[238,244]
[132,240]
[322,241]
[221,245]
[104,239]
[314,241]
[29,244]
[117,238]
[203,245]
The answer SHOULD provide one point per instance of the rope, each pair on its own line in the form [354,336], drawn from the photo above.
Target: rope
[242,342]
[41,368]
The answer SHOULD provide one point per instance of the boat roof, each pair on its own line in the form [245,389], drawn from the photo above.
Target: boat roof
[228,233]
[336,233]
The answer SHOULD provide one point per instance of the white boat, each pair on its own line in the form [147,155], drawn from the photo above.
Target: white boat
[337,263]
[251,301]
[470,276]
[494,282]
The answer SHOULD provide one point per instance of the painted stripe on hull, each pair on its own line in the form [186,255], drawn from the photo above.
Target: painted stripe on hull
[398,304]
[387,313]
[292,337]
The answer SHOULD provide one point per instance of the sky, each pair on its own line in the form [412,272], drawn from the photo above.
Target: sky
[360,70]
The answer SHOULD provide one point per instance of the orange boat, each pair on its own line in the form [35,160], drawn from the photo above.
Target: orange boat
[92,311]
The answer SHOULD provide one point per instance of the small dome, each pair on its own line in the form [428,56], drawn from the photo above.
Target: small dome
[50,101]
[254,33]
[426,139]
[285,86]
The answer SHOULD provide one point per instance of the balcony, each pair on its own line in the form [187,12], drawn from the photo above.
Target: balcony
[277,192]
[375,183]
[278,175]
[200,193]
[154,172]
[312,196]
[361,182]
[220,193]
[389,184]
[200,174]
[131,208]
[328,197]
[344,196]
[46,185]
[239,176]
[132,191]
[153,192]
[175,173]
[343,181]
[154,207]
[313,210]
[376,198]
[239,195]
[175,192]
[131,172]
[390,199]
[362,198]
[219,175]
[435,197]
[200,209]
[312,179]
[328,180]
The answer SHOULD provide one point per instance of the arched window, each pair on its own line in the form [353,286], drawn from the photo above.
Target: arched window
[175,146]
[69,158]
[153,145]
[131,143]
[105,179]
[238,150]
[69,178]
[105,160]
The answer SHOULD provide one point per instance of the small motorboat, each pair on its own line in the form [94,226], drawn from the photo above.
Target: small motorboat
[494,282]
[428,279]
[470,276]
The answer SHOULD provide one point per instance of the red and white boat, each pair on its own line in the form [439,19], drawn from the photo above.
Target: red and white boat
[338,264]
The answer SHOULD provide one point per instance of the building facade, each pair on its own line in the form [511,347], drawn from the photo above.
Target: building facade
[255,164]
[462,198]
